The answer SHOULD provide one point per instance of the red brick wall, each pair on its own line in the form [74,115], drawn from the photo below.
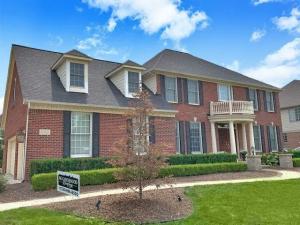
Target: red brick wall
[293,140]
[239,93]
[165,134]
[16,116]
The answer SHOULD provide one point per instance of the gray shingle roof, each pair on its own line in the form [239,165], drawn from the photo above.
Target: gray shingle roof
[185,63]
[40,83]
[290,95]
[75,52]
[131,63]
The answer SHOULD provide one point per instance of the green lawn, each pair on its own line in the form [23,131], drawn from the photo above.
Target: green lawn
[276,202]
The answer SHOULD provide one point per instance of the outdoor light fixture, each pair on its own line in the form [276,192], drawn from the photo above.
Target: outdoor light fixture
[21,136]
[98,204]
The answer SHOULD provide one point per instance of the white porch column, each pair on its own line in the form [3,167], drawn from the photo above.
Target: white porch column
[251,135]
[213,137]
[244,136]
[232,138]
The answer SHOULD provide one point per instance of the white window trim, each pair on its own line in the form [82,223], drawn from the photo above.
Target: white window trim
[231,92]
[260,142]
[198,91]
[175,88]
[91,140]
[256,98]
[272,100]
[200,136]
[70,88]
[127,93]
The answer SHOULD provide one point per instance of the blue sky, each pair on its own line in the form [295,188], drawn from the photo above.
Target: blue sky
[260,38]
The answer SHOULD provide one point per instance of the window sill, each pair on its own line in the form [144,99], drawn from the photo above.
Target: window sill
[81,156]
[78,90]
[172,102]
[194,104]
[196,153]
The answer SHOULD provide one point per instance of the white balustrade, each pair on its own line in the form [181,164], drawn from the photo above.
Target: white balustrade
[231,107]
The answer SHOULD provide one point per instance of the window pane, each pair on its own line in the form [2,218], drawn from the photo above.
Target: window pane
[133,82]
[297,113]
[224,92]
[195,137]
[257,137]
[77,75]
[171,89]
[193,91]
[292,114]
[81,133]
[178,145]
[273,138]
[253,98]
[270,102]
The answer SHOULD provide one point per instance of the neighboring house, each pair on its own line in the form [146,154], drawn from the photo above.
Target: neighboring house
[290,114]
[70,105]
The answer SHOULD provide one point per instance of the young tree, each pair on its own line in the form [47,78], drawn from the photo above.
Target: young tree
[141,160]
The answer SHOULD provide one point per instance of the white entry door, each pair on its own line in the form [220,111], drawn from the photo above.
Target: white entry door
[21,158]
[11,153]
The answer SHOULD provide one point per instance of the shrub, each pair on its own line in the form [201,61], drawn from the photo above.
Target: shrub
[201,169]
[271,159]
[47,181]
[2,183]
[203,158]
[296,154]
[67,164]
[296,162]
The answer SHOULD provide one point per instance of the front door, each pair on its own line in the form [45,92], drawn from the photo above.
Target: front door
[11,153]
[224,139]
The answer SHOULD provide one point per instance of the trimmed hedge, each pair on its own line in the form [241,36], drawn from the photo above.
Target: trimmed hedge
[41,182]
[296,154]
[202,158]
[296,162]
[67,164]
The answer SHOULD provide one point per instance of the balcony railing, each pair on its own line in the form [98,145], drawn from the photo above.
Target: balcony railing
[231,107]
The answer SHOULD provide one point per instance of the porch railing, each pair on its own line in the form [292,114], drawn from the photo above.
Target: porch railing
[231,107]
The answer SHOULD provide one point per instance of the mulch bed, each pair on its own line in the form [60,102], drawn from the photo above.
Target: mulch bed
[156,206]
[23,191]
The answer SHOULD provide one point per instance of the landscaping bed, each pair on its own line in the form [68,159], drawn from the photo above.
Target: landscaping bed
[156,206]
[23,191]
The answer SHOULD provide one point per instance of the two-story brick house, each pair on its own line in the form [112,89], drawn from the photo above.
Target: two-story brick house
[71,105]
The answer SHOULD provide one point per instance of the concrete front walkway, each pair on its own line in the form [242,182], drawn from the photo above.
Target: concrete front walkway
[282,175]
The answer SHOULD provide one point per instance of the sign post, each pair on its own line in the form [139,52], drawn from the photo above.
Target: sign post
[68,183]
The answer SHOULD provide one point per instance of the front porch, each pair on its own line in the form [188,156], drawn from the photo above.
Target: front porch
[232,127]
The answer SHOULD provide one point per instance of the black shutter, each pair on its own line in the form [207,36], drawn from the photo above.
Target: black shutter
[279,138]
[269,140]
[200,84]
[151,130]
[262,133]
[67,133]
[258,100]
[95,151]
[265,101]
[162,86]
[182,138]
[185,90]
[274,101]
[187,136]
[247,94]
[203,132]
[179,90]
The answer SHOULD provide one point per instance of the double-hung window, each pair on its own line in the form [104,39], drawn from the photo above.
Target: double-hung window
[294,114]
[273,138]
[270,101]
[193,92]
[81,134]
[253,98]
[171,89]
[133,82]
[76,75]
[224,92]
[257,138]
[178,143]
[195,137]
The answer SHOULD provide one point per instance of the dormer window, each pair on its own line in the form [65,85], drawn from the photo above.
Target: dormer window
[133,82]
[76,75]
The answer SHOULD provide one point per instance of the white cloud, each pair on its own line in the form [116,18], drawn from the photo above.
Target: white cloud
[1,104]
[235,65]
[154,16]
[289,23]
[90,42]
[259,2]
[79,9]
[257,35]
[280,66]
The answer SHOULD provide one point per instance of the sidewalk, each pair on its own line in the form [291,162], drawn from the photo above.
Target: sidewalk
[283,175]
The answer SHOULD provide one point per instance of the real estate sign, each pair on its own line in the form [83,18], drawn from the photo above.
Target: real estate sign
[68,183]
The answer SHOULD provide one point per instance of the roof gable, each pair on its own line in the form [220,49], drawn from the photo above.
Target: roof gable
[290,95]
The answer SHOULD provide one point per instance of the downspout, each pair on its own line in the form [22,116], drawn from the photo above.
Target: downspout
[26,138]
